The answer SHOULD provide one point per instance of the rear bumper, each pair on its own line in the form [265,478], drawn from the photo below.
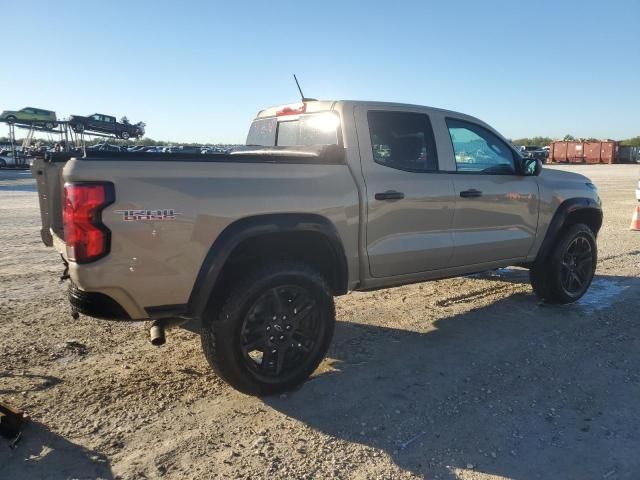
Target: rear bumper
[97,305]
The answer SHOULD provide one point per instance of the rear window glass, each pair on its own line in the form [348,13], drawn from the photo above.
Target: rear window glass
[304,130]
[263,132]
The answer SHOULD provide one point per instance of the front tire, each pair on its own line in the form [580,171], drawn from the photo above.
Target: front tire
[273,329]
[565,275]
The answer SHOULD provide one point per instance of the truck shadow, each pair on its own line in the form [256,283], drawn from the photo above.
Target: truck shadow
[517,389]
[44,454]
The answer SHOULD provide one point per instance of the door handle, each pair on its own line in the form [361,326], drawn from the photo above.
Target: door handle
[471,193]
[389,195]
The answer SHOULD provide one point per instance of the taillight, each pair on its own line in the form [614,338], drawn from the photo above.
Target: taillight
[86,237]
[292,109]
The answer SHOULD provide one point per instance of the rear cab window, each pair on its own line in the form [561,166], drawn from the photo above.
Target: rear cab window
[319,128]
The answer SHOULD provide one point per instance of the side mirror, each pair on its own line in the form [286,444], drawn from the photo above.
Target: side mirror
[531,166]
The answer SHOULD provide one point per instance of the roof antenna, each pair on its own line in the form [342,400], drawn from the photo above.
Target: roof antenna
[304,99]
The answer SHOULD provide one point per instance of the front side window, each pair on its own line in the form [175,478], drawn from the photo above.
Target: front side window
[402,140]
[477,150]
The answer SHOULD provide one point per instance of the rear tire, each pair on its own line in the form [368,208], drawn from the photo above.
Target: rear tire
[124,135]
[273,329]
[2,163]
[565,275]
[11,119]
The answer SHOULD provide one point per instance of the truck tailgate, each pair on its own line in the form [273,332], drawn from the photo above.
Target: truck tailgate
[48,175]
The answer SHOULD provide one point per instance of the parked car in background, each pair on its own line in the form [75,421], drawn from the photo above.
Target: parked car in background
[101,123]
[153,149]
[184,149]
[7,159]
[29,115]
[106,147]
[532,151]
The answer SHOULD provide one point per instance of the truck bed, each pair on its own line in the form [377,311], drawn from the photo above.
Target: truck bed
[48,170]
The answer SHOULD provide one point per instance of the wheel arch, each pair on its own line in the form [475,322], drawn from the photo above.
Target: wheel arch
[271,234]
[571,212]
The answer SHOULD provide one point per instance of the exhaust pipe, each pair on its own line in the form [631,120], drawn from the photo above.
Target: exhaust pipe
[157,333]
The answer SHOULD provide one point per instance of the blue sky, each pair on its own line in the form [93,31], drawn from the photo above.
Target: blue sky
[200,70]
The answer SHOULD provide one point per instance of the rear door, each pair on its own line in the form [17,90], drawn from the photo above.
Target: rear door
[410,204]
[110,124]
[496,213]
[95,122]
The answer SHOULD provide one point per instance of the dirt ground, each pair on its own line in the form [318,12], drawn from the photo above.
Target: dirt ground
[467,378]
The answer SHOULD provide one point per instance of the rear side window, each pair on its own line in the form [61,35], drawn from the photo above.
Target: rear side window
[303,130]
[477,150]
[402,140]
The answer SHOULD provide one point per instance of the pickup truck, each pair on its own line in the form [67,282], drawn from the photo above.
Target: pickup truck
[325,198]
[108,124]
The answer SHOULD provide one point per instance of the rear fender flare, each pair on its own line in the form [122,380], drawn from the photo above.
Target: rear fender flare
[248,227]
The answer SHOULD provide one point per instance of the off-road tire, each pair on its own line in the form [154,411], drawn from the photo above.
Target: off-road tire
[222,329]
[546,274]
[124,135]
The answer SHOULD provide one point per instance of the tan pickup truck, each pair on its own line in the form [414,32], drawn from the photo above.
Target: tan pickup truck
[327,197]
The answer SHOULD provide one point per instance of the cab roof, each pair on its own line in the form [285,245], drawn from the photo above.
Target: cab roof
[312,106]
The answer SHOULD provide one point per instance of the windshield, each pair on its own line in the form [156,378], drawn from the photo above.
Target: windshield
[302,130]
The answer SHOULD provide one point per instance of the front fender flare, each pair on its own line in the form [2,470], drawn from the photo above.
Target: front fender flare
[564,210]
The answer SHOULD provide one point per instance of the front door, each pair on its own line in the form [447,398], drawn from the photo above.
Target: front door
[496,214]
[409,204]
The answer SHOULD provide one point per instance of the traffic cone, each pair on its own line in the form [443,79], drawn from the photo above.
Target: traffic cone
[635,220]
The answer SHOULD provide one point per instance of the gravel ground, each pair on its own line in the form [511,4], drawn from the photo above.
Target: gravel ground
[467,378]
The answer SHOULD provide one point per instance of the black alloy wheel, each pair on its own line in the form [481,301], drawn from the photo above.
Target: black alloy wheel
[577,266]
[271,329]
[280,333]
[565,273]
